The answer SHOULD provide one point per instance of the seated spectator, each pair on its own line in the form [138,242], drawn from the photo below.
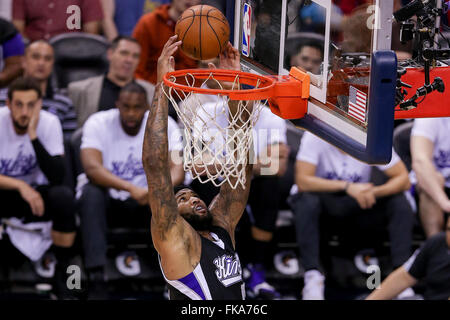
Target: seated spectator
[429,264]
[120,16]
[269,136]
[430,154]
[333,183]
[153,30]
[32,171]
[38,64]
[308,56]
[44,19]
[11,53]
[101,92]
[111,154]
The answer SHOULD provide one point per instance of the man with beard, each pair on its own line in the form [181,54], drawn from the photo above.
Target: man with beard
[32,172]
[196,244]
[101,92]
[111,154]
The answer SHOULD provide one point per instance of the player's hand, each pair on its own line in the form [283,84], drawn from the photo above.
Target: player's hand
[34,120]
[33,198]
[166,61]
[229,59]
[139,194]
[363,194]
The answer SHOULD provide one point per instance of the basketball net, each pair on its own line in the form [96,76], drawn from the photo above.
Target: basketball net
[218,141]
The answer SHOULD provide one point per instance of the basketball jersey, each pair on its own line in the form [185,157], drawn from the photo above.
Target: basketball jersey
[218,275]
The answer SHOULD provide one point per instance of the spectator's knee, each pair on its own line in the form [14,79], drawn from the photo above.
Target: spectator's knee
[63,208]
[305,203]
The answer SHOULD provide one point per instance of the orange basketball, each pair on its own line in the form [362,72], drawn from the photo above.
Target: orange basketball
[204,32]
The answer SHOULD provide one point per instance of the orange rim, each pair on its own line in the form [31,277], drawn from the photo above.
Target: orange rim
[264,90]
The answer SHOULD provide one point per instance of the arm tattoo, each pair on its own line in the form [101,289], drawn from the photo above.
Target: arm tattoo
[230,203]
[155,158]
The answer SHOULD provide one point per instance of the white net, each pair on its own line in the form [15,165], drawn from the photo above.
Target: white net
[217,131]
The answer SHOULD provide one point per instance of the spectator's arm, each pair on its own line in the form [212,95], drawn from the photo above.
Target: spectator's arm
[307,181]
[176,168]
[108,25]
[92,161]
[11,70]
[91,16]
[92,27]
[429,179]
[9,183]
[51,166]
[273,160]
[31,196]
[394,284]
[20,25]
[398,181]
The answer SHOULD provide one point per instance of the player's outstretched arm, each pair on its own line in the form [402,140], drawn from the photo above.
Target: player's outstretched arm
[228,206]
[155,158]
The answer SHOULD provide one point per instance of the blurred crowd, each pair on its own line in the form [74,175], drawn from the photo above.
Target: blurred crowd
[76,80]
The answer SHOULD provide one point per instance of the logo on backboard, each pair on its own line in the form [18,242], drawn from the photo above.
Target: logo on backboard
[246,29]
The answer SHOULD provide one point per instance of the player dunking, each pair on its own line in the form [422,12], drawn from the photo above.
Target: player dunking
[196,244]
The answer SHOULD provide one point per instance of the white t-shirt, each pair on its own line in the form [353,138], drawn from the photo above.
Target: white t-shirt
[122,153]
[333,164]
[436,130]
[17,157]
[268,129]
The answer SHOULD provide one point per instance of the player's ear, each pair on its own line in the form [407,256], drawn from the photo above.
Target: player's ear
[212,65]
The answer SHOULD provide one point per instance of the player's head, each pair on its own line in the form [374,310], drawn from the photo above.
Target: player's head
[308,56]
[38,60]
[24,94]
[132,105]
[123,56]
[192,208]
[178,6]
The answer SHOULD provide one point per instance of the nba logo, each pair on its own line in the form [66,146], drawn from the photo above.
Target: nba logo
[246,29]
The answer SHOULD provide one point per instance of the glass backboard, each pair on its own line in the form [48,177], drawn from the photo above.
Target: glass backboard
[348,58]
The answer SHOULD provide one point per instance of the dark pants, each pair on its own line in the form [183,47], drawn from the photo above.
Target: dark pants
[395,211]
[264,200]
[59,207]
[98,211]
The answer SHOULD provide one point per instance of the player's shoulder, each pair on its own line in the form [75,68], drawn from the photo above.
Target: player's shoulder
[105,118]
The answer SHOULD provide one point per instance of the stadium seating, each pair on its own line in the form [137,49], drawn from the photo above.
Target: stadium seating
[78,56]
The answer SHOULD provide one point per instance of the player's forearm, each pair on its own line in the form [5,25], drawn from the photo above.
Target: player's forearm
[394,284]
[427,178]
[316,184]
[155,154]
[393,186]
[9,183]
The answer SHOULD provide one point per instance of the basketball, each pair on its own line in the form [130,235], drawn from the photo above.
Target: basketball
[204,32]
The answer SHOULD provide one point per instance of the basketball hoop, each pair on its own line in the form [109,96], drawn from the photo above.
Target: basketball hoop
[218,140]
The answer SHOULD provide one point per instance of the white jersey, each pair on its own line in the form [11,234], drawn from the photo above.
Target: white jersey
[268,129]
[333,164]
[122,153]
[436,130]
[17,157]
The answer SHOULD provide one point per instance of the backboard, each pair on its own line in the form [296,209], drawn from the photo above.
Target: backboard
[352,69]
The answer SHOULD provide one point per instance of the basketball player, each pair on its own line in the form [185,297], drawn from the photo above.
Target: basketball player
[196,244]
